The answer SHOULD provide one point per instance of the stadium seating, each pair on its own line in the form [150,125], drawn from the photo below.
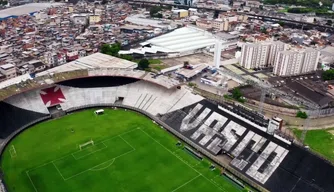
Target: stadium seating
[28,107]
[266,160]
[141,94]
[276,164]
[13,118]
[30,101]
[52,96]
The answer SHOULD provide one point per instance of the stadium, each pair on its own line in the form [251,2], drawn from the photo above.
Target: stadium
[127,130]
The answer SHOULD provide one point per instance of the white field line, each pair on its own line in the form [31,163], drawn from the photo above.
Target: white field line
[127,142]
[197,164]
[27,172]
[77,158]
[65,179]
[177,150]
[12,152]
[186,183]
[72,155]
[58,170]
[182,160]
[110,163]
[42,165]
[133,149]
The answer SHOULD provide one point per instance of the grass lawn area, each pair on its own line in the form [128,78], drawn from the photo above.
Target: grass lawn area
[158,67]
[130,153]
[321,141]
[234,69]
[151,61]
[154,61]
[155,64]
[285,10]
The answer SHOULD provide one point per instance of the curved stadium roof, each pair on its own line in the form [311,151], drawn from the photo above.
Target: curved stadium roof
[184,39]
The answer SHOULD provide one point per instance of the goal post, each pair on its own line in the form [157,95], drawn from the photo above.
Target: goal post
[81,146]
[12,151]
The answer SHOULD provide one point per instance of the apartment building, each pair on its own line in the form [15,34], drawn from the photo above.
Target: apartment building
[225,22]
[220,24]
[296,62]
[311,60]
[260,55]
[203,24]
[8,71]
[275,47]
[93,19]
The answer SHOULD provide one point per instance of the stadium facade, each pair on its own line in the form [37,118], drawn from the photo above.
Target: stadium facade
[239,144]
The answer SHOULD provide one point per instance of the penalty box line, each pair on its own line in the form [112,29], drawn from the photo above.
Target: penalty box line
[42,165]
[133,149]
[92,168]
[184,184]
[105,146]
[27,172]
[73,154]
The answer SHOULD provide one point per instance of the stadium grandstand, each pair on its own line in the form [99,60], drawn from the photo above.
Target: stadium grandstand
[246,149]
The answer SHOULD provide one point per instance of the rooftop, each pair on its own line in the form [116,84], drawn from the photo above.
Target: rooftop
[7,66]
[26,9]
[141,20]
[96,60]
[189,73]
[184,39]
[21,85]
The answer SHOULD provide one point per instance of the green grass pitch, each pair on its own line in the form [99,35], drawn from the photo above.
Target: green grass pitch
[130,153]
[320,141]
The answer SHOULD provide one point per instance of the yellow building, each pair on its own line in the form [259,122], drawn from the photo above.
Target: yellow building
[70,9]
[94,19]
[180,13]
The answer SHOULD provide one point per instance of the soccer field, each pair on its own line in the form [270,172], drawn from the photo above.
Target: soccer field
[129,153]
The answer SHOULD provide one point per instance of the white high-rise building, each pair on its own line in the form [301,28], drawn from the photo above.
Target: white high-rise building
[275,47]
[260,55]
[311,60]
[289,63]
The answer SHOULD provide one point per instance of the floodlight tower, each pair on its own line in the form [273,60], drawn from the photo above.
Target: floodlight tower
[217,53]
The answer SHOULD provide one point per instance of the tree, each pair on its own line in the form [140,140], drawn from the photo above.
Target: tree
[281,23]
[329,22]
[328,75]
[111,49]
[154,11]
[143,64]
[236,93]
[263,30]
[105,48]
[158,15]
[301,114]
